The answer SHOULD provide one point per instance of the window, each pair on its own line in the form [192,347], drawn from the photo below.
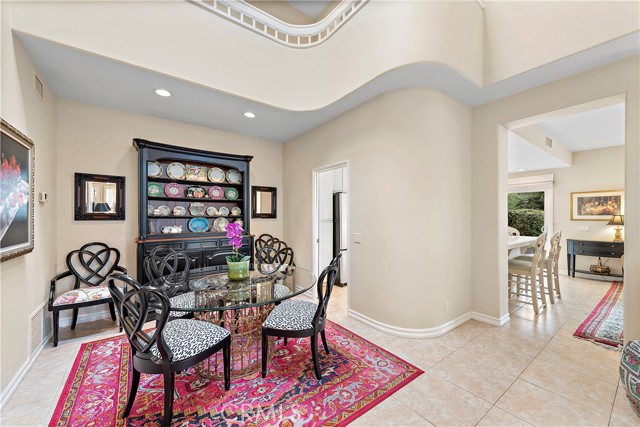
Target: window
[530,204]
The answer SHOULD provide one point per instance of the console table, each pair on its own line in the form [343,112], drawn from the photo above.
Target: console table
[592,248]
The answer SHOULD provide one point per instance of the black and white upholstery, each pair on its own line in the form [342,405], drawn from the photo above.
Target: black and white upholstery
[89,266]
[297,318]
[181,301]
[172,347]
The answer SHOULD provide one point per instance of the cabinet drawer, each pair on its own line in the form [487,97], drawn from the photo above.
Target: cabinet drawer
[148,247]
[224,243]
[203,245]
[598,249]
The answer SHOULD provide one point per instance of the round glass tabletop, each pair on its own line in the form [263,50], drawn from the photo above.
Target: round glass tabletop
[211,291]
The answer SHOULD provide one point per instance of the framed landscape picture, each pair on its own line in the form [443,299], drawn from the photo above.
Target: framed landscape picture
[16,193]
[596,205]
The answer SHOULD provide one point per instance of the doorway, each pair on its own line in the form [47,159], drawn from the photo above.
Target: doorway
[331,218]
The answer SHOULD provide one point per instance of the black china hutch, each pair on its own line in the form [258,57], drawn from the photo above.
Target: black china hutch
[186,198]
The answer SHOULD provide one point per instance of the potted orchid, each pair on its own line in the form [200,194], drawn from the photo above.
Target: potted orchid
[237,263]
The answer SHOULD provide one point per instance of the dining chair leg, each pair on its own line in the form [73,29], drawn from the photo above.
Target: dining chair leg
[314,356]
[264,354]
[531,282]
[112,310]
[168,398]
[56,325]
[226,356]
[324,342]
[541,285]
[285,341]
[556,279]
[75,318]
[135,380]
[550,288]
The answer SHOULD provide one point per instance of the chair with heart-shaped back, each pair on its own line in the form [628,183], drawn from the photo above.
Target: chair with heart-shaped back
[89,267]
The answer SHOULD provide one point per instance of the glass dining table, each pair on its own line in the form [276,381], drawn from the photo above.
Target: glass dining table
[240,306]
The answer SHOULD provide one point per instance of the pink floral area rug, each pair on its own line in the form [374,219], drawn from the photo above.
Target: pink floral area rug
[604,325]
[357,376]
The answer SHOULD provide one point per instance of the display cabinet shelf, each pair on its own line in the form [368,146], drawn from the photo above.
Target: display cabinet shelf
[160,165]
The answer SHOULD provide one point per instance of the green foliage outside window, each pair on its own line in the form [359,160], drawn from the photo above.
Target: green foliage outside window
[526,212]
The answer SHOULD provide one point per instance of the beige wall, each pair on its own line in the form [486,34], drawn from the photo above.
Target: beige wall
[522,35]
[592,170]
[489,179]
[25,280]
[408,154]
[283,11]
[99,140]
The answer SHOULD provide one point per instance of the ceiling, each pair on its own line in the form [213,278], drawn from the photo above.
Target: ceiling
[85,77]
[589,130]
[311,8]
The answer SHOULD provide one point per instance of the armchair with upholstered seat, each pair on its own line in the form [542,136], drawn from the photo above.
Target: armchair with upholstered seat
[89,267]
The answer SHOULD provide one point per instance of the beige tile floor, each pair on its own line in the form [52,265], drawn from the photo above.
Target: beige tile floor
[530,372]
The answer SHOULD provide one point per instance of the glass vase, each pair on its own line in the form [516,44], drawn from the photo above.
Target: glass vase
[238,270]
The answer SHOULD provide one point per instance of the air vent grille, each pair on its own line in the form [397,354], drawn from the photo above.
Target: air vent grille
[39,328]
[38,86]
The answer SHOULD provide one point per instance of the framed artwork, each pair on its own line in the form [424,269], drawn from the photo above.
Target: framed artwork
[16,193]
[596,205]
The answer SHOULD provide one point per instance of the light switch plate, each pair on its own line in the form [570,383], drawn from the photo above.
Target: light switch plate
[357,237]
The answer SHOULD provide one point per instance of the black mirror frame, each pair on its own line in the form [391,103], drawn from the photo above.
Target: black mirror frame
[80,189]
[274,199]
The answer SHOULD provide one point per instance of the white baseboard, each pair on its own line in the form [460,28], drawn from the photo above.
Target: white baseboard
[411,333]
[428,332]
[21,374]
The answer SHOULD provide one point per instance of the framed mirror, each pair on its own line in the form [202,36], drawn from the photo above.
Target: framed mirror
[99,197]
[263,202]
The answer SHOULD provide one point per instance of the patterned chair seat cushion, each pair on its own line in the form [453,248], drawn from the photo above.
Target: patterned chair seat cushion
[291,315]
[181,301]
[77,296]
[188,337]
[280,291]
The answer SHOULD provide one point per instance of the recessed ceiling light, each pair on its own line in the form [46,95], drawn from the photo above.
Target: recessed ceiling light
[249,115]
[522,170]
[162,92]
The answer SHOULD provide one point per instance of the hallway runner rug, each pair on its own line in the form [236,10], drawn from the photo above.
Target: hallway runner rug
[357,376]
[604,324]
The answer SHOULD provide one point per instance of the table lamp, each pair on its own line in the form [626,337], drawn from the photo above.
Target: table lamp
[102,207]
[617,220]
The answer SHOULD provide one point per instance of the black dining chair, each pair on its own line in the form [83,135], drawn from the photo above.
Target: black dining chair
[299,318]
[89,266]
[170,274]
[171,347]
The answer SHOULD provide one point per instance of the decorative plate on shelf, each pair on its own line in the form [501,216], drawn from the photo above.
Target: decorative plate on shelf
[216,192]
[220,224]
[162,210]
[239,222]
[212,211]
[179,211]
[195,192]
[231,193]
[216,175]
[154,169]
[224,211]
[173,190]
[198,225]
[150,209]
[236,211]
[234,176]
[196,209]
[196,173]
[154,189]
[175,170]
